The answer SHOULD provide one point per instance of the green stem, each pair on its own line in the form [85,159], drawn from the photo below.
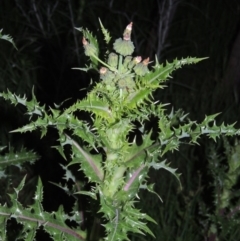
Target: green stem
[116,180]
[108,66]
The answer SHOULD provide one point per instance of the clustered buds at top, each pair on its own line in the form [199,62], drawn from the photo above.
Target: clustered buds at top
[125,46]
[89,48]
[142,68]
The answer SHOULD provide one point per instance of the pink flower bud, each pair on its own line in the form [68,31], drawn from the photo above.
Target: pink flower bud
[84,41]
[129,27]
[137,59]
[142,68]
[127,32]
[103,70]
[146,61]
[90,49]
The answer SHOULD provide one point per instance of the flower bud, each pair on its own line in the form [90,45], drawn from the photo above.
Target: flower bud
[130,85]
[127,32]
[135,61]
[126,61]
[122,83]
[142,68]
[84,42]
[103,70]
[89,48]
[106,75]
[123,47]
[113,60]
[146,61]
[126,83]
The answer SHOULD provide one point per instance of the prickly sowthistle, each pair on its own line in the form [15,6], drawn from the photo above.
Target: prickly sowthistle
[119,103]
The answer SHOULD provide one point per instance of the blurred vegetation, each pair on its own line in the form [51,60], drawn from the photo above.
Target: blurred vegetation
[49,46]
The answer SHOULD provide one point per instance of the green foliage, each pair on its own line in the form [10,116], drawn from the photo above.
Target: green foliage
[108,150]
[7,38]
[12,166]
[35,216]
[16,158]
[105,32]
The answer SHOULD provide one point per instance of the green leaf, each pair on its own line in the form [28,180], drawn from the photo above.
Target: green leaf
[137,97]
[88,35]
[90,194]
[133,180]
[90,164]
[97,107]
[137,155]
[150,188]
[164,165]
[161,73]
[34,217]
[17,158]
[105,32]
[7,38]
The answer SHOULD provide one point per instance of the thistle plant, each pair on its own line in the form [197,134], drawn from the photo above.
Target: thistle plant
[116,148]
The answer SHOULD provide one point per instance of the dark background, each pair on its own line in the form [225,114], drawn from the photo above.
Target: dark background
[49,46]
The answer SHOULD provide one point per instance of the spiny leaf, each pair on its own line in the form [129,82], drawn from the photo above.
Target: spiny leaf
[137,97]
[137,155]
[88,35]
[34,216]
[33,107]
[150,188]
[164,165]
[17,158]
[97,107]
[91,164]
[105,32]
[161,73]
[7,38]
[90,194]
